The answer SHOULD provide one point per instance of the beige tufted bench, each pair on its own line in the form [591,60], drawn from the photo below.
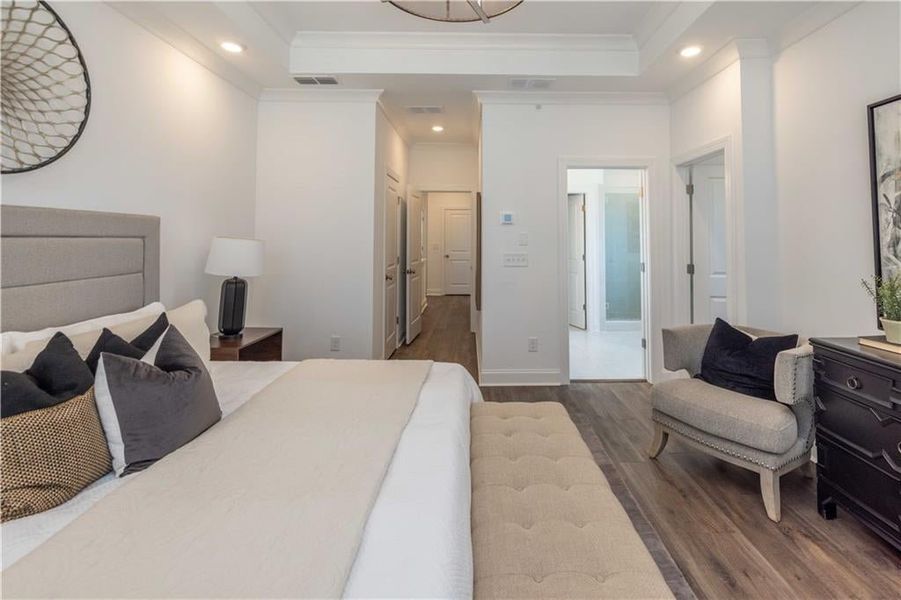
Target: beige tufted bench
[545,523]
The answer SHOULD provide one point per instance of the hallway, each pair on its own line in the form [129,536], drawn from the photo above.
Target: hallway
[445,335]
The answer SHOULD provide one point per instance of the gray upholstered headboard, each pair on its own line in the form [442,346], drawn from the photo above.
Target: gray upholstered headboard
[61,266]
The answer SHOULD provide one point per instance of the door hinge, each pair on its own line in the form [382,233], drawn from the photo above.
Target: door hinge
[641,267]
[690,189]
[583,257]
[583,207]
[644,344]
[397,320]
[584,307]
[690,269]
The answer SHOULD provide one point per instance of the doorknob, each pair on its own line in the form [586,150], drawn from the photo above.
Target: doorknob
[389,278]
[410,272]
[447,256]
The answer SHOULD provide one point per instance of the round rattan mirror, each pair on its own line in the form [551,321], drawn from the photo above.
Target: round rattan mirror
[46,93]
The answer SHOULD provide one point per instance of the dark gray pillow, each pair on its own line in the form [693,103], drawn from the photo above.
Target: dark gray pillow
[149,410]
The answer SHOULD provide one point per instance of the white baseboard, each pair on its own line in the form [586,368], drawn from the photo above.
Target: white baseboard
[507,377]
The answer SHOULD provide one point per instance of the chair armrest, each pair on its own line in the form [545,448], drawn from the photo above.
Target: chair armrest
[683,347]
[794,375]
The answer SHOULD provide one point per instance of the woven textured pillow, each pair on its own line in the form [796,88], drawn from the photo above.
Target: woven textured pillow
[50,455]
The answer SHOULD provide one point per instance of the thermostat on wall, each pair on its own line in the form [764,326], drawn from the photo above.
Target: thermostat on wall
[506,218]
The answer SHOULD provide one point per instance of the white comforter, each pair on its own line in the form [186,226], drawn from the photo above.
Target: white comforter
[417,540]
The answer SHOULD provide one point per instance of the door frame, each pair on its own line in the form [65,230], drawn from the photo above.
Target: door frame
[584,257]
[649,167]
[392,174]
[735,265]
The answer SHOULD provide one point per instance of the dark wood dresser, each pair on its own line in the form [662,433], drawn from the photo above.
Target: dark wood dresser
[858,433]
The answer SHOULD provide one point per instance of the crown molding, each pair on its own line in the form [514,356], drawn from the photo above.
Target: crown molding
[146,16]
[508,97]
[720,61]
[319,95]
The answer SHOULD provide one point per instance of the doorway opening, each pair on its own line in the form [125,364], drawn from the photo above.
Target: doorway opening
[450,243]
[707,261]
[606,282]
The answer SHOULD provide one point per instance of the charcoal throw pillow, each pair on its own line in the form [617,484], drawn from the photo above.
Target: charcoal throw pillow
[735,361]
[149,410]
[56,375]
[137,348]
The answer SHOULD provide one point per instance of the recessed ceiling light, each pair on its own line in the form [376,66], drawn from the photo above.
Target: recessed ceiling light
[437,128]
[690,51]
[233,47]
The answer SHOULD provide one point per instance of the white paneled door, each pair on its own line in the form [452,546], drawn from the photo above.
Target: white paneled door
[709,234]
[392,260]
[577,312]
[457,251]
[415,268]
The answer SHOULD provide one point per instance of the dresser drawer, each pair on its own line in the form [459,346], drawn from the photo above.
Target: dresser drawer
[873,433]
[871,493]
[854,379]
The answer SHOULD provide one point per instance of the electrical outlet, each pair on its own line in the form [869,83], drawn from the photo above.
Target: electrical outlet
[533,344]
[336,344]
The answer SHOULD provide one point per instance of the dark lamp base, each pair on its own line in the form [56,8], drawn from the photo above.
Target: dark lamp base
[232,307]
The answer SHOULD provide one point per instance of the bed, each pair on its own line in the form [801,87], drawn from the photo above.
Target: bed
[415,538]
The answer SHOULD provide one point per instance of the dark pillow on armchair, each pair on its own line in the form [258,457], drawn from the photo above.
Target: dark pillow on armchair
[735,361]
[149,410]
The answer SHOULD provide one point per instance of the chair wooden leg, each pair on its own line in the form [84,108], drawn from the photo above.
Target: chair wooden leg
[809,470]
[659,443]
[769,489]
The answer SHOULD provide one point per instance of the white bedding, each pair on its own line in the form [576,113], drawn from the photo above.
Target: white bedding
[417,540]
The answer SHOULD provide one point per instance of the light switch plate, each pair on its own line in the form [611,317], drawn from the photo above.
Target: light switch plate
[516,259]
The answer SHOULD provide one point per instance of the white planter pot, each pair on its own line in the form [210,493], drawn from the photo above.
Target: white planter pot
[892,330]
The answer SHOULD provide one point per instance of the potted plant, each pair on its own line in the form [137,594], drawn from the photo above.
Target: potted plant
[886,293]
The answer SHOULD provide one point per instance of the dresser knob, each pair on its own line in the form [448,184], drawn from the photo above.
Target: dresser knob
[853,383]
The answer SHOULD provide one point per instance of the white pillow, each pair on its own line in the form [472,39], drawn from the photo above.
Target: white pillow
[190,320]
[15,341]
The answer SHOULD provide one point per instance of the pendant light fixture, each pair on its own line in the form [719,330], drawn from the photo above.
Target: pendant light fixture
[456,11]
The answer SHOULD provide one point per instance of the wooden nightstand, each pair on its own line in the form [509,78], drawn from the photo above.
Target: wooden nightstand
[254,343]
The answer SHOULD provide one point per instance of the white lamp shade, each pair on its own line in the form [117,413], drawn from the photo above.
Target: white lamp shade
[235,257]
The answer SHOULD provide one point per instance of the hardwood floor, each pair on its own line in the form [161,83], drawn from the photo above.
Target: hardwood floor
[709,514]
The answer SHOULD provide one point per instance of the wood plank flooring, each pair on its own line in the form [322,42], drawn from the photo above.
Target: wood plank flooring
[708,514]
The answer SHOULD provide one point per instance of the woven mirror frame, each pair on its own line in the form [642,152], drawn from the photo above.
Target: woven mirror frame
[45,95]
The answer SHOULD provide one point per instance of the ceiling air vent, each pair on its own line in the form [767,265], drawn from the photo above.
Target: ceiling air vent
[425,110]
[316,80]
[531,83]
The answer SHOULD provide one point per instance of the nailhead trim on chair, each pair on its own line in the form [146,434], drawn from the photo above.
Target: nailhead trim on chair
[669,424]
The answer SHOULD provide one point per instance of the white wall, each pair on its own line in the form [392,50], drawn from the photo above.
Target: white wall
[444,166]
[165,137]
[437,203]
[521,148]
[821,88]
[391,152]
[316,212]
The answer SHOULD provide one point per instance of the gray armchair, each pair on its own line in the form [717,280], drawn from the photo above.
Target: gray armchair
[770,438]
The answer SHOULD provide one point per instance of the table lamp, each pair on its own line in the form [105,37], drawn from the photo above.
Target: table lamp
[234,258]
